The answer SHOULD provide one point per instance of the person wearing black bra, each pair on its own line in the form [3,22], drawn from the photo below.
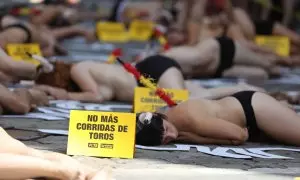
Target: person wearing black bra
[244,116]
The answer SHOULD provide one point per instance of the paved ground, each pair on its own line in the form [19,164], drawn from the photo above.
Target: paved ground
[162,165]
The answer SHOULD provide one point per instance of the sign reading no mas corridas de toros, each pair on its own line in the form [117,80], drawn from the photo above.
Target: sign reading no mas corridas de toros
[145,99]
[101,134]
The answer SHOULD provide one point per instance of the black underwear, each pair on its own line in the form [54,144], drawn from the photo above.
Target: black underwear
[264,27]
[20,26]
[154,67]
[227,52]
[245,98]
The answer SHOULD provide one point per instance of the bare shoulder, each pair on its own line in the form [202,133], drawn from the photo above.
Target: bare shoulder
[191,106]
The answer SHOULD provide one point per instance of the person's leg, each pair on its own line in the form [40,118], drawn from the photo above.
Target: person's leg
[244,22]
[244,56]
[164,71]
[246,72]
[276,120]
[197,11]
[172,79]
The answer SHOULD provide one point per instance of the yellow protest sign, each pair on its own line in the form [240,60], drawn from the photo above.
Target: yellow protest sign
[112,32]
[141,30]
[18,52]
[145,99]
[280,44]
[101,134]
[25,11]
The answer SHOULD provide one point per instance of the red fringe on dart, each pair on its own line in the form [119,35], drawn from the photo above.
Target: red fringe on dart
[146,82]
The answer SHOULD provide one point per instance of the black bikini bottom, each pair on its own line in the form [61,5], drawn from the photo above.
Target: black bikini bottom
[227,52]
[155,66]
[245,98]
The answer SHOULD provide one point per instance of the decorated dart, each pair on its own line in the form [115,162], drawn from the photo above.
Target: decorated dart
[115,53]
[161,39]
[147,83]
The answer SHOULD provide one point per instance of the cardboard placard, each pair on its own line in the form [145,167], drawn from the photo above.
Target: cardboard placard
[112,32]
[18,52]
[141,30]
[279,44]
[145,99]
[101,134]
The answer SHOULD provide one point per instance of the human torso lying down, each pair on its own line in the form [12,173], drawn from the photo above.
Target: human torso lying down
[98,82]
[235,119]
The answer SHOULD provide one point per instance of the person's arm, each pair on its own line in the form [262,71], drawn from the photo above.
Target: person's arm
[64,32]
[182,19]
[17,101]
[47,15]
[56,93]
[213,127]
[20,69]
[195,20]
[288,9]
[24,167]
[187,137]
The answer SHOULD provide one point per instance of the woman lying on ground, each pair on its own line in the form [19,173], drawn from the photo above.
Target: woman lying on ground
[264,27]
[222,57]
[98,82]
[233,120]
[30,163]
[13,30]
[229,21]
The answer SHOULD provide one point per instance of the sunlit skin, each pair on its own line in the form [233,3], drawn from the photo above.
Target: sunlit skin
[223,121]
[32,163]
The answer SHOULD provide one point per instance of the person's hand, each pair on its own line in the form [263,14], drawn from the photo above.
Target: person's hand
[23,94]
[71,172]
[39,98]
[49,43]
[90,36]
[104,174]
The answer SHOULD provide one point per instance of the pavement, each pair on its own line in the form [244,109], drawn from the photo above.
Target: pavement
[175,165]
[149,164]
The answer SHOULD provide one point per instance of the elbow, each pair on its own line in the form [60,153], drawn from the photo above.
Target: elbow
[241,137]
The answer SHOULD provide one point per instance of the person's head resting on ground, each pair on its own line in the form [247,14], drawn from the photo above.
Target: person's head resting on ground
[154,129]
[60,77]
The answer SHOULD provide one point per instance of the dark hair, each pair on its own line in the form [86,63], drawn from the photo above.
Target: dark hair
[53,2]
[59,78]
[150,133]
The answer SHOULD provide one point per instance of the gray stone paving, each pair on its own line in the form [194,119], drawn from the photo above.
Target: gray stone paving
[163,164]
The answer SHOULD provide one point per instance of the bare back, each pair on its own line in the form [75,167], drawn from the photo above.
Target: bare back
[112,79]
[227,109]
